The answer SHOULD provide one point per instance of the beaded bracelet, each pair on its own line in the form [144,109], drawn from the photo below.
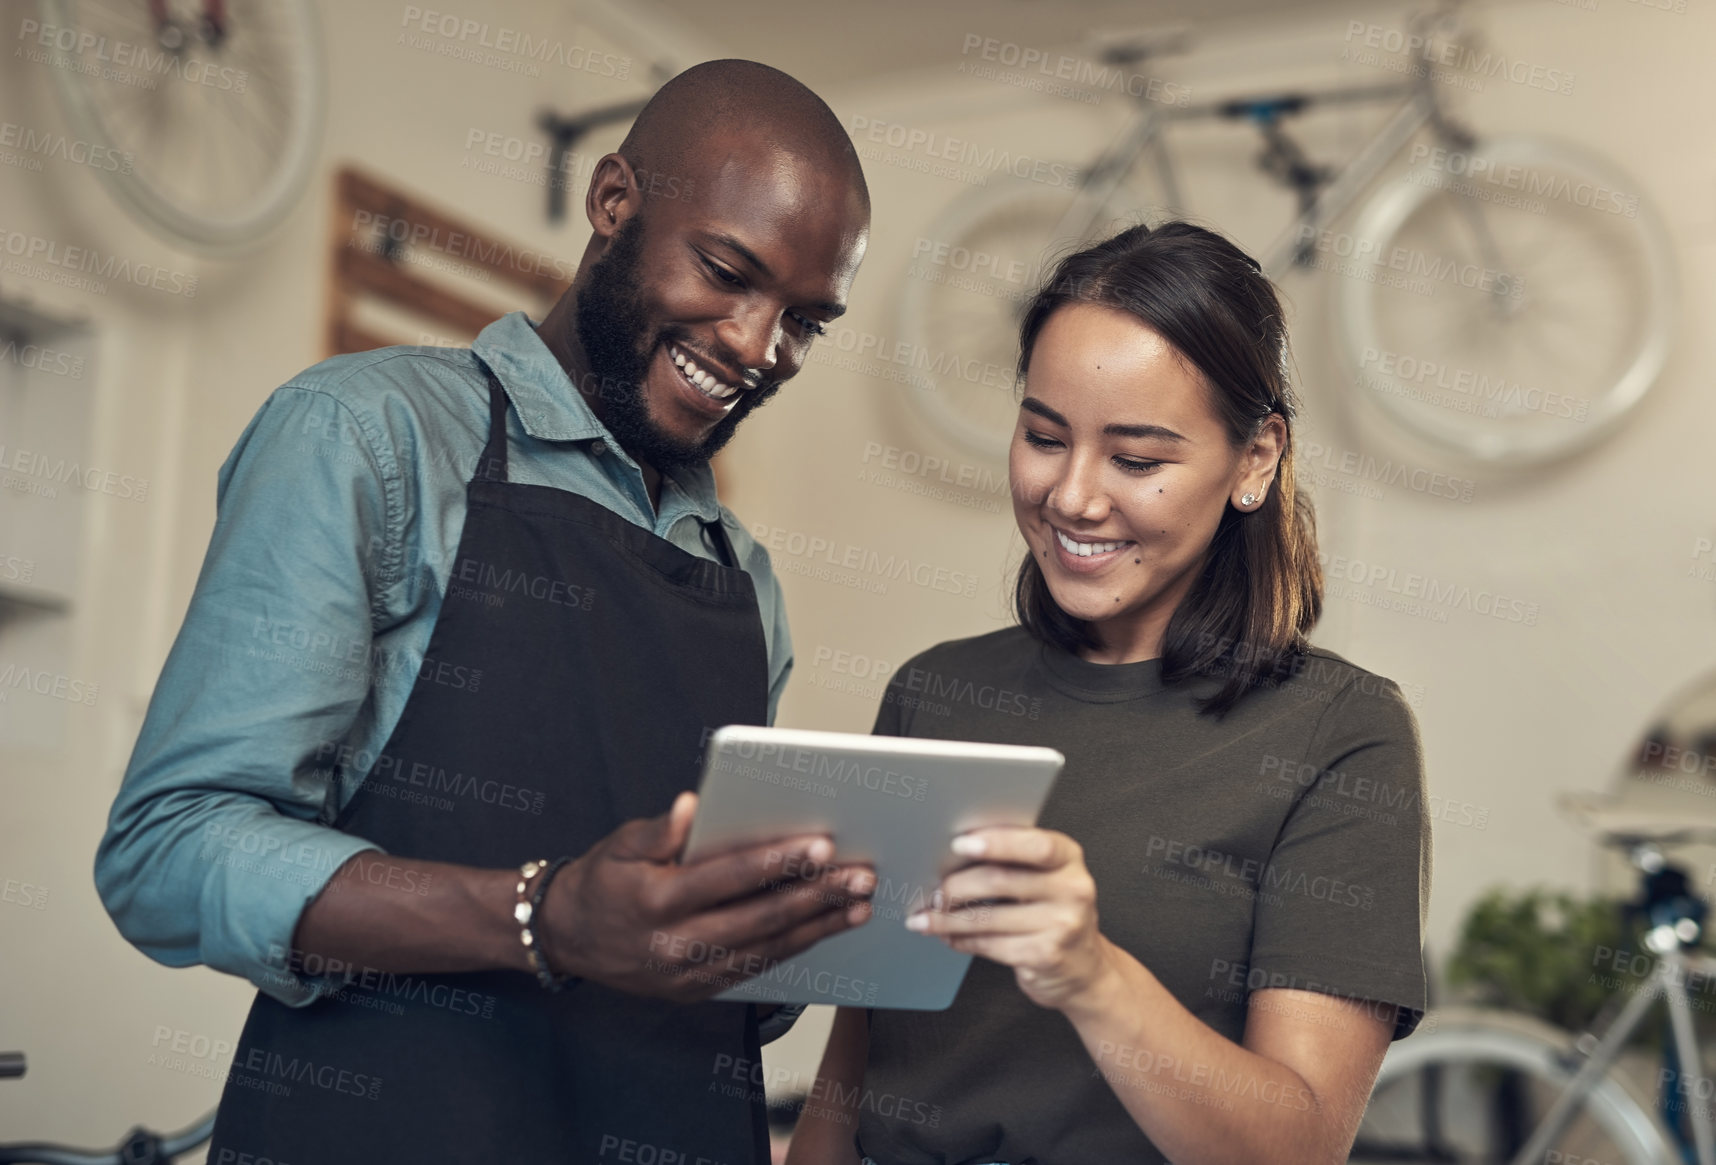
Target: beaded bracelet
[528,902]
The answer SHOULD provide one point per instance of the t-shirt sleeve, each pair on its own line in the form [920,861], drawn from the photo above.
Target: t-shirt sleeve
[888,713]
[1342,901]
[894,715]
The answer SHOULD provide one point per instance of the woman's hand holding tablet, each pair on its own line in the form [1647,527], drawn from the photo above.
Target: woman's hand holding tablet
[894,803]
[1027,902]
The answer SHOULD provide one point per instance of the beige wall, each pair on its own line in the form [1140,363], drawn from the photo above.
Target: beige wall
[1511,715]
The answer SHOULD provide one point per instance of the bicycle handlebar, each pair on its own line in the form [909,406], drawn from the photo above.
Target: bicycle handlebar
[140,1147]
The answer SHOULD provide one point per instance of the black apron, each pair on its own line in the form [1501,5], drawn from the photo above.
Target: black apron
[575,667]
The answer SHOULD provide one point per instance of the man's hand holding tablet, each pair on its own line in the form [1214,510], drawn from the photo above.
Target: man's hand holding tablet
[628,915]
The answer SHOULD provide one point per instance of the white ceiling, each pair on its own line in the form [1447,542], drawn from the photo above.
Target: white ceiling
[839,41]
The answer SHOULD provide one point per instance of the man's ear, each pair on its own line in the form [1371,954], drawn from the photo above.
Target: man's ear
[613,196]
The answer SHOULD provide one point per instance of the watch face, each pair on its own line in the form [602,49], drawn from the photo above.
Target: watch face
[1509,303]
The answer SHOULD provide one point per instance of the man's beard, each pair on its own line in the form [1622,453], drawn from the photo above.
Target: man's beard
[614,329]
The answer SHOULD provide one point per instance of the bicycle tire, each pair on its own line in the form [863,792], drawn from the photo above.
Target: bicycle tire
[142,186]
[970,411]
[1573,411]
[1461,1038]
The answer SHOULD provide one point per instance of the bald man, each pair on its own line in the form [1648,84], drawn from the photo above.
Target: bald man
[419,763]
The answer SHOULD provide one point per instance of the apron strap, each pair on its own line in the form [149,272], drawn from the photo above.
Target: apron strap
[715,533]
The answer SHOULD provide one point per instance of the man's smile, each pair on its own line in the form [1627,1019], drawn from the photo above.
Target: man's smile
[689,379]
[703,375]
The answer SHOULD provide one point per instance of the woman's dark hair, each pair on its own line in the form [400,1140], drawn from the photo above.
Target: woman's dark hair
[1261,588]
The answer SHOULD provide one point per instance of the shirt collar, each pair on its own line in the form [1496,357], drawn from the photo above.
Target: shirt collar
[552,409]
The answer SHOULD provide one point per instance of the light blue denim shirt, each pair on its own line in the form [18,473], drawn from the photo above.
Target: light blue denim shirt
[338,519]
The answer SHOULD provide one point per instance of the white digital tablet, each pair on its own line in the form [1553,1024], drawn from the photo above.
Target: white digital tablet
[893,802]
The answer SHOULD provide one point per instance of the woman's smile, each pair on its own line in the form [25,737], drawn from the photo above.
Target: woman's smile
[1086,553]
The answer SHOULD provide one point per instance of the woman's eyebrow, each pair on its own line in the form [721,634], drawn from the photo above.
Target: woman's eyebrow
[1032,405]
[1159,432]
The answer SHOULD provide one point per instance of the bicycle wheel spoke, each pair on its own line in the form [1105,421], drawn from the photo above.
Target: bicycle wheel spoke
[132,17]
[260,66]
[264,149]
[132,113]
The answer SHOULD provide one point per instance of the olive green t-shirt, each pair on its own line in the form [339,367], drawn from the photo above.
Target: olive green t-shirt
[1285,845]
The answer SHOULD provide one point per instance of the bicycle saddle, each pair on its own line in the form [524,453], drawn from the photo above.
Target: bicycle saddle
[1134,46]
[1623,824]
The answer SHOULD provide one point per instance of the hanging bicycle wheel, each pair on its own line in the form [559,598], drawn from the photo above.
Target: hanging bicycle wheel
[215,106]
[1471,1087]
[1511,305]
[964,295]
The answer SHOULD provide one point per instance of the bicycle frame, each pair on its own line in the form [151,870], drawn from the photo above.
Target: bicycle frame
[1667,981]
[1419,107]
[564,133]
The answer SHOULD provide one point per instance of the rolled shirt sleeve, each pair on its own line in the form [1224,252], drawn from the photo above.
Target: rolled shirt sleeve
[1342,902]
[212,849]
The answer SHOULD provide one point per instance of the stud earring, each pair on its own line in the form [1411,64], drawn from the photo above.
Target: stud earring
[1247,499]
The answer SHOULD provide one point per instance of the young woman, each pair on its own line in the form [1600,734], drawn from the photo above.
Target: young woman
[1204,949]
